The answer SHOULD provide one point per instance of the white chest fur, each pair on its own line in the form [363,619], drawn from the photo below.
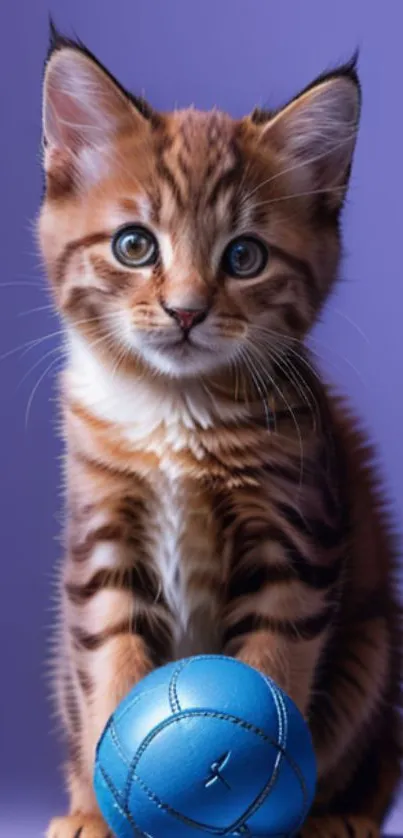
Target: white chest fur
[188,566]
[183,532]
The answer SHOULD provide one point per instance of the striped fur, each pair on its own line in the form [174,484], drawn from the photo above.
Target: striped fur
[218,499]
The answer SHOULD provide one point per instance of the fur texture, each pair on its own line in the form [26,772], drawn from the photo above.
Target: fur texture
[218,499]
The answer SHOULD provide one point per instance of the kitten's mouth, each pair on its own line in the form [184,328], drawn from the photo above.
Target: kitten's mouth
[182,355]
[184,345]
[184,342]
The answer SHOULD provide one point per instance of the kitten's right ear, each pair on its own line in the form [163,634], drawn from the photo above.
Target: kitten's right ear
[316,133]
[83,106]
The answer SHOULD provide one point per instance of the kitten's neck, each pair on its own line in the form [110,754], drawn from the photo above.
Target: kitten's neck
[129,398]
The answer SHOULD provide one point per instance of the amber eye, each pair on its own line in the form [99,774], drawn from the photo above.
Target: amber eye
[135,247]
[245,257]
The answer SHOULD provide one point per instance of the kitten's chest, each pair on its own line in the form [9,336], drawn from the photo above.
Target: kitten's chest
[188,561]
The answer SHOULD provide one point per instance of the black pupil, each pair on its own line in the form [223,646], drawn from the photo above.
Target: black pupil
[136,244]
[242,256]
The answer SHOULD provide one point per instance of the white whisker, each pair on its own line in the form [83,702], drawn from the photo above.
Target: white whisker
[291,195]
[351,322]
[256,379]
[25,347]
[35,389]
[38,363]
[280,353]
[48,307]
[21,284]
[283,398]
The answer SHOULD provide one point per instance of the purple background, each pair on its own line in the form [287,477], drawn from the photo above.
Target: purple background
[230,53]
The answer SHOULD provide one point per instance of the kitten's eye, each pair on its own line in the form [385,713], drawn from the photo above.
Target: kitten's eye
[245,257]
[135,247]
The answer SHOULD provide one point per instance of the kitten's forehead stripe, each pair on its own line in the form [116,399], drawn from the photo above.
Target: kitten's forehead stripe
[223,183]
[167,175]
[195,148]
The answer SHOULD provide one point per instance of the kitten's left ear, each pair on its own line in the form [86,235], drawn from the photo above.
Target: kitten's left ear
[84,107]
[82,104]
[316,132]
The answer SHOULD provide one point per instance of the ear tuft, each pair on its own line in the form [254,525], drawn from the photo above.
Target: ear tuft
[260,116]
[347,70]
[59,41]
[53,35]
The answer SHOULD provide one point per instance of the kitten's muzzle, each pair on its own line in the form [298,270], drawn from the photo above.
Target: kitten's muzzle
[186,318]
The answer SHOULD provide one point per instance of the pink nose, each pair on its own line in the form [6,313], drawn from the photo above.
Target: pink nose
[186,317]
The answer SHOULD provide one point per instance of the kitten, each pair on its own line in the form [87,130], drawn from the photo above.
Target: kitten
[218,500]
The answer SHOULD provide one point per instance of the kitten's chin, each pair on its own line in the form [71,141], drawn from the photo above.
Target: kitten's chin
[184,360]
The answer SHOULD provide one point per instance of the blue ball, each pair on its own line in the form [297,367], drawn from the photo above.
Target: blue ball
[205,744]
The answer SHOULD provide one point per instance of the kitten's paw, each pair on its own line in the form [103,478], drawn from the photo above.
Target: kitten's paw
[78,826]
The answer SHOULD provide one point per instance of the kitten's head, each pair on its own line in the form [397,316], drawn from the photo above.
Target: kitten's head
[188,241]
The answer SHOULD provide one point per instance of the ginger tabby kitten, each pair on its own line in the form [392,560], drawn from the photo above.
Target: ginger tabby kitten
[218,499]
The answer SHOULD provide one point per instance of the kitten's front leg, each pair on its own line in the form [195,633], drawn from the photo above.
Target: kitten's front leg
[285,649]
[281,593]
[116,627]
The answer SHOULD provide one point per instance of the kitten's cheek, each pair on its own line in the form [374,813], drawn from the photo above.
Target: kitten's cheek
[135,342]
[128,333]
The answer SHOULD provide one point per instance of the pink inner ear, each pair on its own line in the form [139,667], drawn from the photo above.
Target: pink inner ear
[74,120]
[318,130]
[63,121]
[82,106]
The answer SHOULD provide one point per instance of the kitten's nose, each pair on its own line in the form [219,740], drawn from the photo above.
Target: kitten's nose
[186,317]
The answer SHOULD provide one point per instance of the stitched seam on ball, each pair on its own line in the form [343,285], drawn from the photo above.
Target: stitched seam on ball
[135,700]
[177,815]
[275,694]
[123,810]
[297,769]
[210,714]
[188,714]
[275,691]
[283,718]
[281,714]
[239,824]
[268,787]
[172,690]
[264,792]
[117,743]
